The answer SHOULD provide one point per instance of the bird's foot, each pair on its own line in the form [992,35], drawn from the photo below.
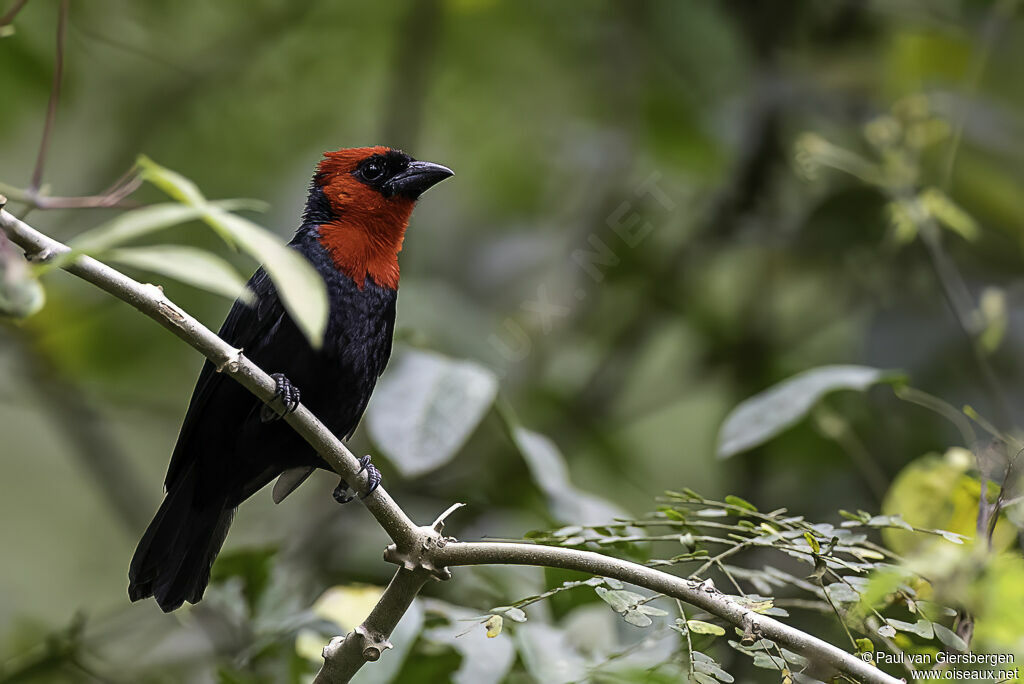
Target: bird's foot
[286,394]
[341,494]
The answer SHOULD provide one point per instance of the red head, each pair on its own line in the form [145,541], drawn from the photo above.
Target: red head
[362,199]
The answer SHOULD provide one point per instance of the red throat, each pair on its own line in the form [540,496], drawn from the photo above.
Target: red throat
[366,237]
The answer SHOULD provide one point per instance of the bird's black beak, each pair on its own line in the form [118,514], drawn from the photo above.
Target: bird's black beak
[417,178]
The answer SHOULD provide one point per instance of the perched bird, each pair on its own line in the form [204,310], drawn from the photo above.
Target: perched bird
[231,444]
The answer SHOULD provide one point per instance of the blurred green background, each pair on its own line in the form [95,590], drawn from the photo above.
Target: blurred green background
[558,119]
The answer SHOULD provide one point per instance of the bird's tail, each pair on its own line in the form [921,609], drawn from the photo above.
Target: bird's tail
[172,562]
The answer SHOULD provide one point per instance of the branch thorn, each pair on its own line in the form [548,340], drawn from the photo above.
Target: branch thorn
[439,523]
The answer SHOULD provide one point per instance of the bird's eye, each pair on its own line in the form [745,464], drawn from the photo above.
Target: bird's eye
[372,170]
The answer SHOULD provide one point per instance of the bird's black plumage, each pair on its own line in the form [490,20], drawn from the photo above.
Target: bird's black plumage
[225,452]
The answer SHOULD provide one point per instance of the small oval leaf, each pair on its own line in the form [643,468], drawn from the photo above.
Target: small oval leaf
[700,627]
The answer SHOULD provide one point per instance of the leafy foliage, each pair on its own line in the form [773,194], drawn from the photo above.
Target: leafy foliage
[712,208]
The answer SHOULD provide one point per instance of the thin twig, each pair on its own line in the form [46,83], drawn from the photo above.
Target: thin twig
[113,197]
[995,22]
[51,107]
[11,13]
[686,631]
[961,304]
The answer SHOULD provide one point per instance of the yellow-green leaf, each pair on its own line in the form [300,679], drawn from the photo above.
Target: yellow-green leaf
[700,627]
[740,503]
[992,308]
[946,212]
[493,625]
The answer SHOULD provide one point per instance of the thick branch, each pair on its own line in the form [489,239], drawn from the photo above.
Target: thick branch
[421,551]
[343,656]
[151,301]
[696,593]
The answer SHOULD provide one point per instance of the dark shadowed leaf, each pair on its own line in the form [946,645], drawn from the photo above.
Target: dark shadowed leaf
[761,417]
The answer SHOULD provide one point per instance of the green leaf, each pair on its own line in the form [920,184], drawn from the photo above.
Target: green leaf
[841,593]
[145,220]
[637,618]
[937,204]
[740,503]
[763,416]
[710,667]
[922,628]
[648,609]
[425,408]
[812,542]
[171,182]
[950,638]
[302,290]
[865,646]
[700,627]
[860,516]
[619,599]
[187,264]
[769,662]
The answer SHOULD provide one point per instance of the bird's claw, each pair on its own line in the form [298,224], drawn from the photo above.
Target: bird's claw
[341,494]
[284,392]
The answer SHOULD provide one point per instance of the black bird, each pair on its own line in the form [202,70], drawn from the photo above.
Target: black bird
[231,445]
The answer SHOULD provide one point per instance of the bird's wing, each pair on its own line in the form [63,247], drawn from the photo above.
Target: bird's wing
[246,327]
